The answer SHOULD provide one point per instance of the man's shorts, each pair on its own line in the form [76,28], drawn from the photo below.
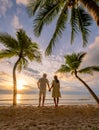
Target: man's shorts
[42,93]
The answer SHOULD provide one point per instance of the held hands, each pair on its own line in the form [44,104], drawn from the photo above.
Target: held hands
[49,89]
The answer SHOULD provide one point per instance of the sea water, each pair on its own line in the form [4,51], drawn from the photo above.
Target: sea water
[32,99]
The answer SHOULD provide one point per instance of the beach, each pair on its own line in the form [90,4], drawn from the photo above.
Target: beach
[64,117]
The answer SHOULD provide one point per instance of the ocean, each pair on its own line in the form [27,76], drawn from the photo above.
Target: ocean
[32,99]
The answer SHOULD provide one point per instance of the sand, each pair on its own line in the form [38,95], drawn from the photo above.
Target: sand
[66,117]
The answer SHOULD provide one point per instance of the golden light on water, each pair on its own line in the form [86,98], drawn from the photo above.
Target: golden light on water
[18,98]
[20,87]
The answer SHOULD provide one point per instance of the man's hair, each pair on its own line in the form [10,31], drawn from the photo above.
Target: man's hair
[44,75]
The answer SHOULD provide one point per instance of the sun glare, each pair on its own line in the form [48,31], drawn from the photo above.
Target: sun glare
[20,84]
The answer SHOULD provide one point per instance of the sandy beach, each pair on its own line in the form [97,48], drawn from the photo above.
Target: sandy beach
[65,117]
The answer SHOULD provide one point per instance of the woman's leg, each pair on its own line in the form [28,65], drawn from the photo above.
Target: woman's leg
[55,102]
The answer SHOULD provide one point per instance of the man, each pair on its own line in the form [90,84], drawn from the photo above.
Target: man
[42,83]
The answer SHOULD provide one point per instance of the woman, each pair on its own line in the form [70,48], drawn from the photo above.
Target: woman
[56,90]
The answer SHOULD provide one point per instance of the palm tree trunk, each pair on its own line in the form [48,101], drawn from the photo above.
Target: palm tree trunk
[90,90]
[15,83]
[93,9]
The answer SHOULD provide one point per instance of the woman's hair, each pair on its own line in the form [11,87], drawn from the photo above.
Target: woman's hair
[56,79]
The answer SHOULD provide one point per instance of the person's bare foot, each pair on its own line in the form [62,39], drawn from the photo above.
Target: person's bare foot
[56,105]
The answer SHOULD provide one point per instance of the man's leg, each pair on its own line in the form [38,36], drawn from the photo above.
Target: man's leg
[44,94]
[43,100]
[39,99]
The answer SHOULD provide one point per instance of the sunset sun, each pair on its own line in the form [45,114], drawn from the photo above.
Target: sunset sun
[20,84]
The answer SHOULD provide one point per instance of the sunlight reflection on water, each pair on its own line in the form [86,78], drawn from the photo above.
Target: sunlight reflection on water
[19,98]
[32,99]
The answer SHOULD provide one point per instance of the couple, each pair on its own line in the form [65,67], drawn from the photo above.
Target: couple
[42,83]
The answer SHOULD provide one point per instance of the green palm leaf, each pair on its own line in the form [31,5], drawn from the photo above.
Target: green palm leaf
[45,16]
[34,5]
[72,61]
[60,26]
[7,53]
[89,70]
[74,24]
[84,21]
[81,55]
[64,69]
[23,39]
[22,64]
[8,41]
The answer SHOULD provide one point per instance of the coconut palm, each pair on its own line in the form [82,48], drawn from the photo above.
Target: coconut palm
[23,48]
[62,11]
[72,64]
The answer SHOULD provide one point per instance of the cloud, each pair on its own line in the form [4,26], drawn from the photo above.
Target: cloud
[32,73]
[5,81]
[23,2]
[16,23]
[92,56]
[32,70]
[4,6]
[5,91]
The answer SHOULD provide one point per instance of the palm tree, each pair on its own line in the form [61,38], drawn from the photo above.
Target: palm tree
[23,48]
[45,11]
[72,64]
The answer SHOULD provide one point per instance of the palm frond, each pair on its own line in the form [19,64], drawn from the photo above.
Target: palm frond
[7,53]
[33,55]
[23,39]
[28,49]
[84,20]
[89,70]
[23,63]
[74,60]
[44,16]
[95,68]
[74,24]
[8,41]
[34,46]
[33,6]
[63,69]
[81,55]
[32,52]
[86,70]
[60,26]
[37,57]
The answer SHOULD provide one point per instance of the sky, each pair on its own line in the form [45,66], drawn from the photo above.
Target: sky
[13,15]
